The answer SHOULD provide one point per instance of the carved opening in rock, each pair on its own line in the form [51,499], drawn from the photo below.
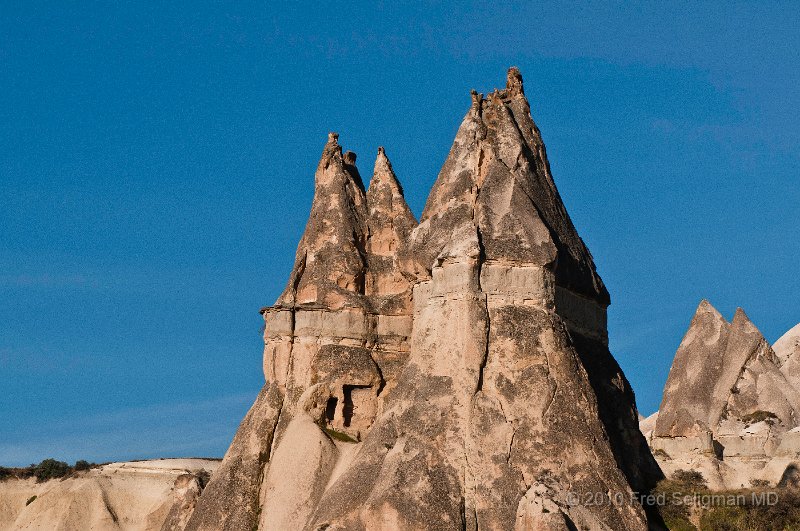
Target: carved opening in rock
[719,450]
[354,397]
[330,408]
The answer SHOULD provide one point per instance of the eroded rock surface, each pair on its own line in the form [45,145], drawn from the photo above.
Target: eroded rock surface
[451,374]
[157,495]
[730,405]
[787,348]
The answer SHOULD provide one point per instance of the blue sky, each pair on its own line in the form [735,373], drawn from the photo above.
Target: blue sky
[156,171]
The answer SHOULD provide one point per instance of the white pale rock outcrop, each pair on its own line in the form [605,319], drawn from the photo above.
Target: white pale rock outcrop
[157,495]
[451,374]
[730,407]
[787,348]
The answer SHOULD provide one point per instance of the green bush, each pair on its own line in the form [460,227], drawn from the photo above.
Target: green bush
[689,480]
[658,452]
[47,469]
[339,436]
[725,519]
[760,416]
[675,515]
[50,468]
[678,524]
[83,465]
[750,515]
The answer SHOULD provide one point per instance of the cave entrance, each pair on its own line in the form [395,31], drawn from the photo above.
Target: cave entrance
[349,407]
[330,408]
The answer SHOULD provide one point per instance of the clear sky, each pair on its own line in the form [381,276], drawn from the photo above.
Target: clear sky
[156,172]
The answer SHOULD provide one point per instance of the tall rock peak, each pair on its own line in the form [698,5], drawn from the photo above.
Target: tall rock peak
[329,264]
[706,307]
[383,175]
[390,224]
[743,322]
[497,179]
[451,374]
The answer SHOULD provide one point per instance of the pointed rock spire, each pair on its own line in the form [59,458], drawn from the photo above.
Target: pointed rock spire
[494,209]
[383,181]
[390,223]
[514,82]
[486,264]
[329,268]
[497,393]
[696,371]
[723,372]
[497,180]
[743,322]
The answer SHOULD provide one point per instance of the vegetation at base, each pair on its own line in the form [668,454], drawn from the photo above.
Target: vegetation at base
[682,483]
[83,465]
[689,480]
[46,470]
[752,510]
[679,524]
[658,452]
[760,416]
[339,436]
[782,516]
[30,500]
[51,469]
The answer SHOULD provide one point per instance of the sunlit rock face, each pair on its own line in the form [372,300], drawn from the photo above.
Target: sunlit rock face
[731,405]
[157,495]
[787,348]
[451,374]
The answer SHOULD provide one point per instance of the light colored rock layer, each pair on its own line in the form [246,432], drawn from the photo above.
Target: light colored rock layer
[730,406]
[134,496]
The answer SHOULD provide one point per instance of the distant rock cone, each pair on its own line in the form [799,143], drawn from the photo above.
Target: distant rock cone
[730,407]
[723,373]
[449,375]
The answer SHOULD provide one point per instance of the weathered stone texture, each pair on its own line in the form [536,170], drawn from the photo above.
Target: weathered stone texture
[451,374]
[723,372]
[730,405]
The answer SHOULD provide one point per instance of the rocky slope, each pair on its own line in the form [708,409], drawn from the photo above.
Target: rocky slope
[787,348]
[136,496]
[731,405]
[451,374]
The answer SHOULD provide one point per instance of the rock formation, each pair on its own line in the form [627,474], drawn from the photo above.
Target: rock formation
[728,407]
[787,348]
[451,374]
[157,495]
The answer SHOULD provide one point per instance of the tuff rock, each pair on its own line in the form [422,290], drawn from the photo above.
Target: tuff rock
[787,348]
[157,495]
[731,405]
[451,374]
